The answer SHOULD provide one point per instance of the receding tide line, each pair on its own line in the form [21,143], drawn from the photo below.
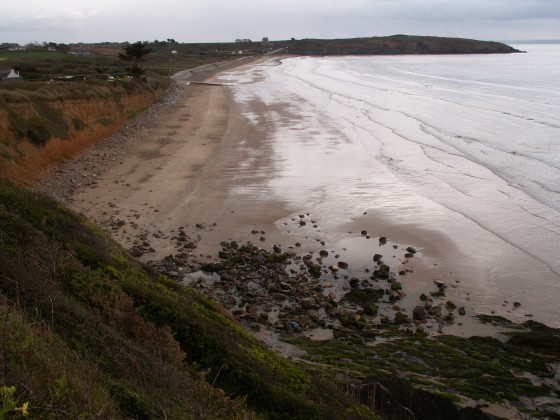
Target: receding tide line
[191,82]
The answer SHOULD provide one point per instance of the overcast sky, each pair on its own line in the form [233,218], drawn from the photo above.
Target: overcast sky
[66,21]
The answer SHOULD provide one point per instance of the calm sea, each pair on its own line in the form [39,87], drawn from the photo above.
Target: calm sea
[465,148]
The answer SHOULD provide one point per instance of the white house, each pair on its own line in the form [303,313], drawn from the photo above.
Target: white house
[10,75]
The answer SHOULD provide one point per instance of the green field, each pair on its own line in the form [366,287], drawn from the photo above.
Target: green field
[32,55]
[43,65]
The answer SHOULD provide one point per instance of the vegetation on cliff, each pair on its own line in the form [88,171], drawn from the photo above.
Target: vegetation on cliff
[66,102]
[88,331]
[396,44]
[42,123]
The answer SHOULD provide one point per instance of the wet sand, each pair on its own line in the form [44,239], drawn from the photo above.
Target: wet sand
[201,167]
[174,170]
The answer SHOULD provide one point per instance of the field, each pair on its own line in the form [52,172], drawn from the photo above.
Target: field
[44,65]
[31,55]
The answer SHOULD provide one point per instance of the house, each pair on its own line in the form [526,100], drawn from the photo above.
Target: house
[79,52]
[10,74]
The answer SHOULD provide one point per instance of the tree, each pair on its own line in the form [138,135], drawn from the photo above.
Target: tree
[136,53]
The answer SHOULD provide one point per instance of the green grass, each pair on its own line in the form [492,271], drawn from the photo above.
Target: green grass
[139,345]
[32,55]
[478,367]
[42,65]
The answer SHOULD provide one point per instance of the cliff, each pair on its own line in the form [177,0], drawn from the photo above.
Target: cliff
[42,124]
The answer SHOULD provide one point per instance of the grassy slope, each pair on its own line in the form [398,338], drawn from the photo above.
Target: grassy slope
[88,330]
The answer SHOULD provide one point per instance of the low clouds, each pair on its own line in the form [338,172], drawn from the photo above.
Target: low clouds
[224,20]
[67,14]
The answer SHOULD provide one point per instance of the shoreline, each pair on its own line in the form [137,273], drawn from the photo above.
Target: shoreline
[134,173]
[161,186]
[177,188]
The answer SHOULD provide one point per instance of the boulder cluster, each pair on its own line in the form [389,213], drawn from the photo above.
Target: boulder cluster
[285,291]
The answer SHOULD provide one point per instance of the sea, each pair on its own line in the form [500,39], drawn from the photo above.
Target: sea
[459,154]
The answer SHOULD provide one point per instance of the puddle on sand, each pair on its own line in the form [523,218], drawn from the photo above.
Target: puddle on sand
[348,264]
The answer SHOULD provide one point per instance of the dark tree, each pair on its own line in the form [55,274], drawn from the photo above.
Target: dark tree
[135,53]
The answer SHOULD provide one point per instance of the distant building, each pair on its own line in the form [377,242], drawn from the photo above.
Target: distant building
[266,43]
[79,52]
[242,40]
[10,74]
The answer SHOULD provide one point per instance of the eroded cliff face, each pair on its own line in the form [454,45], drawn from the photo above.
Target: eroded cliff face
[36,135]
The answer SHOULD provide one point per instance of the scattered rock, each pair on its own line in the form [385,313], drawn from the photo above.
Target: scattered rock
[482,404]
[401,318]
[450,305]
[435,311]
[136,252]
[419,313]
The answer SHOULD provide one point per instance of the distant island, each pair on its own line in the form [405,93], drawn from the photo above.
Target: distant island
[396,44]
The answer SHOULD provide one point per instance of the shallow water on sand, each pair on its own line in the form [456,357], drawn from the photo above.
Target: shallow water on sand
[456,155]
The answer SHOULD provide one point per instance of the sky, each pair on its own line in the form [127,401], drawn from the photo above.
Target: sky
[64,21]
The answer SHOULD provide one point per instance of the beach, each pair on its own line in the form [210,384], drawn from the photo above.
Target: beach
[173,169]
[225,162]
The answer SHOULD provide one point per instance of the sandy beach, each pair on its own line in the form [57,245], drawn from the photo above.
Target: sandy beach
[171,169]
[194,171]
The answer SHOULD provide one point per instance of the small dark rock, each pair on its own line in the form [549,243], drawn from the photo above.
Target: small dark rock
[136,252]
[450,305]
[419,313]
[401,318]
